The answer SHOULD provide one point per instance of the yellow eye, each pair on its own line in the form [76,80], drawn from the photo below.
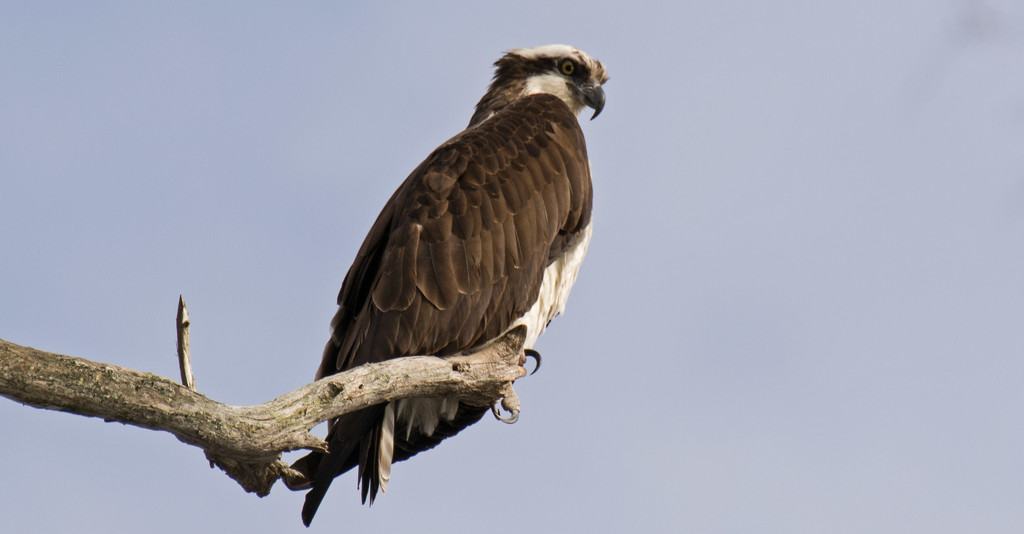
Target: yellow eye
[567,67]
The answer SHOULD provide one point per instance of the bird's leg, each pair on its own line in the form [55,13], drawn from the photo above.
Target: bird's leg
[530,353]
[510,402]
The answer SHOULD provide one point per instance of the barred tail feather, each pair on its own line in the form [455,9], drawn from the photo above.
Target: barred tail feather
[387,447]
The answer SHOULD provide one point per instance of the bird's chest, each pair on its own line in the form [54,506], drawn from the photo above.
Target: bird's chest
[555,286]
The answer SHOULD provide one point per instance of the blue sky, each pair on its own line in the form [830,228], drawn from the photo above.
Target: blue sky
[802,309]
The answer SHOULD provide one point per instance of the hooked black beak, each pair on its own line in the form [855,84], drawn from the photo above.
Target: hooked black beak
[593,96]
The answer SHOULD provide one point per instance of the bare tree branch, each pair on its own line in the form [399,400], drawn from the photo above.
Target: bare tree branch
[184,355]
[247,441]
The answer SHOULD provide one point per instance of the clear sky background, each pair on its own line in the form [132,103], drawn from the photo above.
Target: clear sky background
[802,310]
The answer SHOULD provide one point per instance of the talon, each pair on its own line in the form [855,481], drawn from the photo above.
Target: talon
[512,418]
[530,353]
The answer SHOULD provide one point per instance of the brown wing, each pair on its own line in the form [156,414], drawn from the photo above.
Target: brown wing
[456,255]
[473,222]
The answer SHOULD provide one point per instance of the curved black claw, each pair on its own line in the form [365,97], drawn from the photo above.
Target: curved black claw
[512,418]
[530,353]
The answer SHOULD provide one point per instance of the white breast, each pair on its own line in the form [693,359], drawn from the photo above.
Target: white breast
[559,278]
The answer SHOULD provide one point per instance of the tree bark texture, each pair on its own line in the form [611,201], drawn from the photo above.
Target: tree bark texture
[247,441]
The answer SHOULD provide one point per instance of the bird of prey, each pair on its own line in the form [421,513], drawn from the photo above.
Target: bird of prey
[487,234]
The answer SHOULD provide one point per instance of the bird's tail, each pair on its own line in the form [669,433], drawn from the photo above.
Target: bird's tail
[354,439]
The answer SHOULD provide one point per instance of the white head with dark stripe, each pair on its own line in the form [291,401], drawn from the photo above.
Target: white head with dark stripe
[560,70]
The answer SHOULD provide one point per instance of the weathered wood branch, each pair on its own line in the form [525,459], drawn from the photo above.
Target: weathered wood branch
[247,441]
[181,325]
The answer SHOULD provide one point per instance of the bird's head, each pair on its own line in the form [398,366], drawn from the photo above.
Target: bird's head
[559,70]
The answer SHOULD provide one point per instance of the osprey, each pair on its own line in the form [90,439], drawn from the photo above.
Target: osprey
[486,234]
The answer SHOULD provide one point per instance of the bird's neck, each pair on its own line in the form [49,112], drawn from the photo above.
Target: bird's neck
[497,97]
